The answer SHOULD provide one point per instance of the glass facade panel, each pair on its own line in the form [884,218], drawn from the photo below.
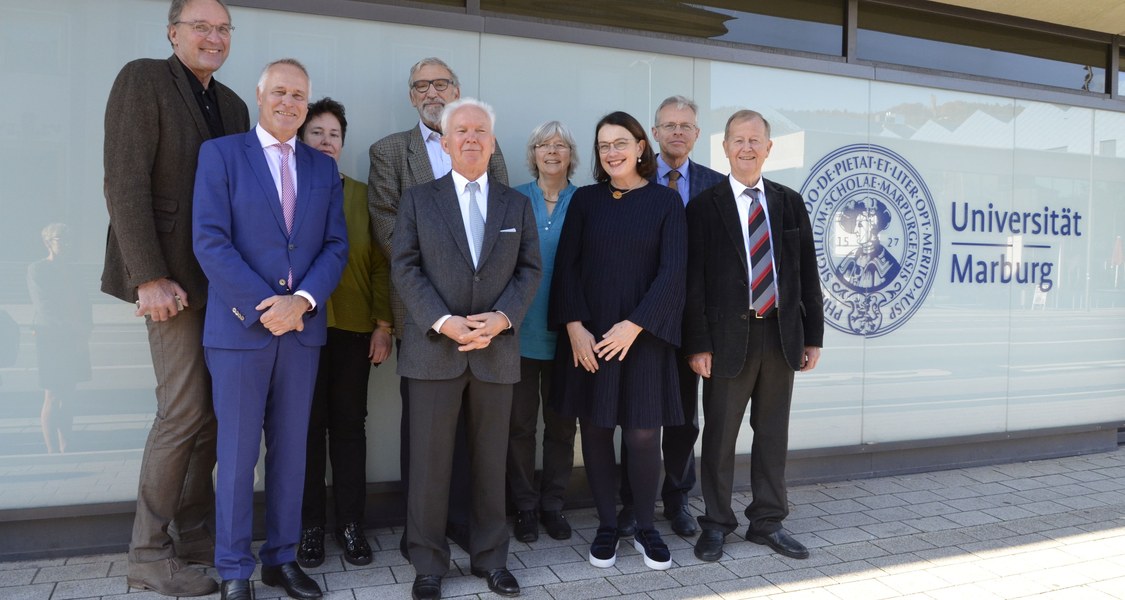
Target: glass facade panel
[905,36]
[805,25]
[929,378]
[988,344]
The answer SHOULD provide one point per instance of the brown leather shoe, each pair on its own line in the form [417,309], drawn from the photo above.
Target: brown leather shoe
[170,577]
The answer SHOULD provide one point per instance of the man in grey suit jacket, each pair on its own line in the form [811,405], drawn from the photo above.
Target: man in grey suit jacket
[399,162]
[466,260]
[676,130]
[158,114]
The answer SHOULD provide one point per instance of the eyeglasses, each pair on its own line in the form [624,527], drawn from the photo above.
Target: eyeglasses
[421,85]
[552,147]
[619,145]
[204,29]
[672,127]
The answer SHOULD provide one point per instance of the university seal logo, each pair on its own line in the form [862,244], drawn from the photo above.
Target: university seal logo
[876,232]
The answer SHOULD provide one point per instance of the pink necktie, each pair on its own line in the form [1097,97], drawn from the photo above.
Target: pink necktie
[288,196]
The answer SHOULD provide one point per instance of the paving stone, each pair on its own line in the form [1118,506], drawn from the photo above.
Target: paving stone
[932,509]
[909,583]
[845,535]
[89,588]
[360,578]
[744,587]
[931,524]
[851,519]
[703,573]
[585,589]
[580,571]
[895,513]
[879,502]
[40,591]
[972,517]
[898,545]
[643,582]
[72,572]
[836,507]
[871,589]
[856,551]
[551,556]
[17,577]
[799,579]
[889,530]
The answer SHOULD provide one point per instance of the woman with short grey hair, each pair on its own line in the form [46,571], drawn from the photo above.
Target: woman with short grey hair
[551,158]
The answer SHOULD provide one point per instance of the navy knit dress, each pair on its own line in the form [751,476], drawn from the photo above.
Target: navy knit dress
[621,259]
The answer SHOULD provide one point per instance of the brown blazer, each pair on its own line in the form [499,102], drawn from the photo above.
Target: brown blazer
[153,130]
[398,163]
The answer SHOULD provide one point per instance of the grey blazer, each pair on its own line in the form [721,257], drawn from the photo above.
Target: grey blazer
[398,163]
[153,131]
[433,270]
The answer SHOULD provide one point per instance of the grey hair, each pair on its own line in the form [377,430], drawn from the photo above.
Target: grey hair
[54,230]
[284,61]
[545,132]
[456,105]
[745,115]
[437,62]
[675,102]
[177,8]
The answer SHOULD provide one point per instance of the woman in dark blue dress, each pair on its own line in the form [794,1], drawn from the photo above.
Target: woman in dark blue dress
[618,295]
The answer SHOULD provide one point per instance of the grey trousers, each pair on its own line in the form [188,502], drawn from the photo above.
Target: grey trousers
[175,495]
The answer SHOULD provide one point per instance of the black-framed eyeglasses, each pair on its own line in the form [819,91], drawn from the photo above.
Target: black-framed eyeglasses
[421,85]
[204,28]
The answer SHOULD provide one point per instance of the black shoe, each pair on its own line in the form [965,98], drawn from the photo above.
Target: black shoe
[526,529]
[649,543]
[357,551]
[781,542]
[459,534]
[310,552]
[682,521]
[626,522]
[556,524]
[426,587]
[402,546]
[500,581]
[290,576]
[709,547]
[236,589]
[603,552]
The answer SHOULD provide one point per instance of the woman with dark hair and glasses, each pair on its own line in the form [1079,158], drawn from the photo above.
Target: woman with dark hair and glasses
[359,335]
[618,293]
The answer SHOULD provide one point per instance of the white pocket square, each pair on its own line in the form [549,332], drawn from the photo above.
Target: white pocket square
[512,230]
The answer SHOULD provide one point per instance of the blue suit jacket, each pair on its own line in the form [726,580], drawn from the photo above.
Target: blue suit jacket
[239,237]
[699,178]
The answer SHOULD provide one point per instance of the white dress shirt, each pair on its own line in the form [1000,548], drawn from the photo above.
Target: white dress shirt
[744,202]
[439,160]
[273,159]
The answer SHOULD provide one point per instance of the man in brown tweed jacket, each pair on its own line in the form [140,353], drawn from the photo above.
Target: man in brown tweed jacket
[399,162]
[158,114]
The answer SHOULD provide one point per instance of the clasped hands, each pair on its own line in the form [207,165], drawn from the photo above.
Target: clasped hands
[283,313]
[615,342]
[474,332]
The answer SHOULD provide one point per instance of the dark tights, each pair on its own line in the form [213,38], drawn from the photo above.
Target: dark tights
[601,470]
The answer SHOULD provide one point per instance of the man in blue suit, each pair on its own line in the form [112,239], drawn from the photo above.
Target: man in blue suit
[675,129]
[269,232]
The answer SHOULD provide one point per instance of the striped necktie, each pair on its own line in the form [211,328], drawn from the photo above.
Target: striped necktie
[763,292]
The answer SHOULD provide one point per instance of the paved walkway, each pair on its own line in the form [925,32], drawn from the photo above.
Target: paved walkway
[1045,529]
